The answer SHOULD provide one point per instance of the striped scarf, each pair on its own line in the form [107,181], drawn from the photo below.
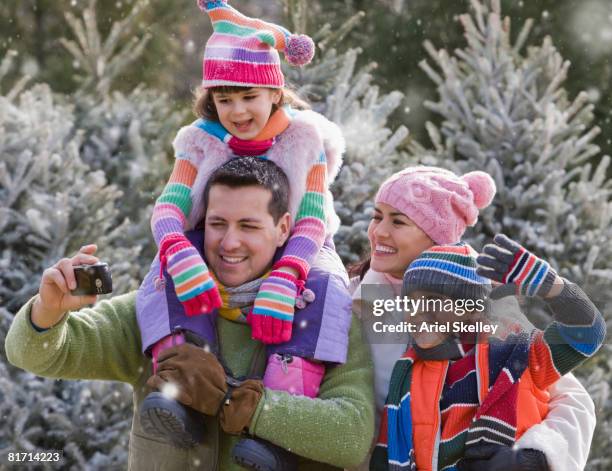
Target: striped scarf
[491,421]
[238,301]
[277,123]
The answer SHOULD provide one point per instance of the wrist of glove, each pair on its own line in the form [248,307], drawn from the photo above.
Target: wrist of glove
[239,407]
[170,241]
[519,271]
[194,286]
[299,268]
[192,376]
[491,457]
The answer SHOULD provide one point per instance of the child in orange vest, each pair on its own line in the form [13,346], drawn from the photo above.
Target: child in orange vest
[460,401]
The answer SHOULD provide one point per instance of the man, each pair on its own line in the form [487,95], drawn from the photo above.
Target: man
[104,342]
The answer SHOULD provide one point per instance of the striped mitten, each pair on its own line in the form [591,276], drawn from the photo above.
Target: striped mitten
[195,288]
[520,271]
[271,318]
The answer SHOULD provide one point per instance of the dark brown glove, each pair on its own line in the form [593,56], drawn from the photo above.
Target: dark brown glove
[196,373]
[237,412]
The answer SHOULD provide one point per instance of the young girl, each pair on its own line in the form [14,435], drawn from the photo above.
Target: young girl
[459,403]
[415,209]
[245,111]
[242,106]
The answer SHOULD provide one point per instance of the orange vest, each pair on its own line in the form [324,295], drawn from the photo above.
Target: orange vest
[428,376]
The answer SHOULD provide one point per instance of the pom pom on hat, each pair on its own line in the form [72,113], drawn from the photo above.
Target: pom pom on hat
[482,186]
[299,49]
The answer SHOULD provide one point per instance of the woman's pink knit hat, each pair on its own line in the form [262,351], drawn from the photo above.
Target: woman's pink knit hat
[441,203]
[243,51]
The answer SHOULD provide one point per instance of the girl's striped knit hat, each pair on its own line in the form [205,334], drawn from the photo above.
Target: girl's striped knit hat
[449,270]
[243,51]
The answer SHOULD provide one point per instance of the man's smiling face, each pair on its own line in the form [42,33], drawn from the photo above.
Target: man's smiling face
[240,234]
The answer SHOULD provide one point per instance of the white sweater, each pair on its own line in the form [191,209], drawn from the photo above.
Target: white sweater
[564,436]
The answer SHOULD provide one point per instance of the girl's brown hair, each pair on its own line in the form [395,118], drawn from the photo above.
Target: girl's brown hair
[204,105]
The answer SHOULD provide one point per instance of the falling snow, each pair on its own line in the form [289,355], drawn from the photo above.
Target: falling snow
[170,390]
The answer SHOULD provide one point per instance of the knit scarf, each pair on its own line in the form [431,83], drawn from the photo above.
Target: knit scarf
[238,301]
[494,421]
[257,147]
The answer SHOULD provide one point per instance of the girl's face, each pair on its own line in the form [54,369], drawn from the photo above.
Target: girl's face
[245,113]
[395,241]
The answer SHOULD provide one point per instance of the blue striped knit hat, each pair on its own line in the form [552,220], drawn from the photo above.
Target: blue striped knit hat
[449,270]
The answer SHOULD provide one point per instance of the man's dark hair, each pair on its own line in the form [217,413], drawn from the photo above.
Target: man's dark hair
[254,171]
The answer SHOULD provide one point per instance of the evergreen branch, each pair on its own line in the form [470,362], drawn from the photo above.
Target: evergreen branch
[91,27]
[338,35]
[522,37]
[5,67]
[78,55]
[100,60]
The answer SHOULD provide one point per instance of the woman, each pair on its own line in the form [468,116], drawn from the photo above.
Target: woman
[424,206]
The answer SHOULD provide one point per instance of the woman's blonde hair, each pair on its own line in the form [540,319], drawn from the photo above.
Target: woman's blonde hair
[204,105]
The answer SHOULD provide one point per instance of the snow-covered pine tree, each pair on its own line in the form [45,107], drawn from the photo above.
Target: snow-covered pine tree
[50,203]
[505,110]
[349,98]
[58,155]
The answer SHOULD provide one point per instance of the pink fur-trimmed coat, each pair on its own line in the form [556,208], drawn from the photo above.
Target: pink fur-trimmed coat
[295,151]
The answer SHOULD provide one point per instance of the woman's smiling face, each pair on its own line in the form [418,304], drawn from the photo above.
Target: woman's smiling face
[395,241]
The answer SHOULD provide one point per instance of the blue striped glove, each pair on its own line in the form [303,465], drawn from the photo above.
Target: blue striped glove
[520,271]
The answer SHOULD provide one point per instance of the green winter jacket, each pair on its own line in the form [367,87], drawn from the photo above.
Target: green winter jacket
[103,343]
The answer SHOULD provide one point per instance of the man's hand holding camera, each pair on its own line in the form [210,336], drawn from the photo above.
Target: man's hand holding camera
[54,294]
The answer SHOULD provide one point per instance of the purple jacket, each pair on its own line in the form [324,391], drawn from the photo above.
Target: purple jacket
[320,330]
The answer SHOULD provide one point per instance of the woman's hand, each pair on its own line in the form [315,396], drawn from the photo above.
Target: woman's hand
[54,298]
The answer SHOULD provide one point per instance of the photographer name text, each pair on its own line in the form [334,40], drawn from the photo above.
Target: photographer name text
[455,327]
